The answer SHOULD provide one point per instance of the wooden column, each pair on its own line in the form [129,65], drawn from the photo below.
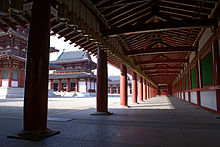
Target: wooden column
[197,83]
[36,83]
[102,84]
[9,77]
[123,86]
[148,90]
[184,87]
[217,72]
[144,90]
[77,85]
[140,89]
[118,89]
[68,86]
[59,85]
[189,85]
[86,85]
[169,89]
[51,84]
[134,87]
[111,89]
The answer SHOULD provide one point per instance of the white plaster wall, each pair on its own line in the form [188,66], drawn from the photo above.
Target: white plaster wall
[179,94]
[191,56]
[186,96]
[14,83]
[82,86]
[88,85]
[193,97]
[4,83]
[204,37]
[208,99]
[182,95]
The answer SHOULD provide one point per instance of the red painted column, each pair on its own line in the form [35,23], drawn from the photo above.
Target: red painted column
[77,86]
[184,87]
[51,84]
[217,72]
[123,86]
[189,84]
[9,77]
[140,89]
[102,84]
[144,90]
[197,83]
[134,87]
[148,90]
[86,85]
[59,86]
[68,86]
[111,89]
[1,77]
[118,89]
[37,72]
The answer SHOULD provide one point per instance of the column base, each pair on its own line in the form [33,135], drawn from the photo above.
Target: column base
[102,113]
[135,103]
[34,135]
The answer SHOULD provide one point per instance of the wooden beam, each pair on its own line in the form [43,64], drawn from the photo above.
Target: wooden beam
[162,26]
[162,67]
[161,50]
[162,61]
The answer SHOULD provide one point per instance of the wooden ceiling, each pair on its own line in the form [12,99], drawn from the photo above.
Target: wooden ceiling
[158,35]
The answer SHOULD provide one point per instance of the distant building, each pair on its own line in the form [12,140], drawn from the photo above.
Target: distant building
[114,85]
[76,73]
[13,48]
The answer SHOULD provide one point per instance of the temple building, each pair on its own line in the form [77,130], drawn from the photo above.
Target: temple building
[13,48]
[76,75]
[114,85]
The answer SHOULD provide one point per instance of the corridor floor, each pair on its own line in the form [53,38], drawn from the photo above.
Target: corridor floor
[160,121]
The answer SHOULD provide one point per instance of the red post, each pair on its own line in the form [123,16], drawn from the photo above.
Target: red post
[217,72]
[134,87]
[140,89]
[35,103]
[144,90]
[111,89]
[68,86]
[59,85]
[102,84]
[118,89]
[184,87]
[197,83]
[123,86]
[86,85]
[189,85]
[148,90]
[51,84]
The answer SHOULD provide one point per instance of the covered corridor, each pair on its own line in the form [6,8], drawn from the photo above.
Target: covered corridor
[160,121]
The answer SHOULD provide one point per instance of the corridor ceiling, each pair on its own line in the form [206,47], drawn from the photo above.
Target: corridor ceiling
[151,37]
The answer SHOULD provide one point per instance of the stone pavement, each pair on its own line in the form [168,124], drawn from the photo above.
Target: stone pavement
[160,121]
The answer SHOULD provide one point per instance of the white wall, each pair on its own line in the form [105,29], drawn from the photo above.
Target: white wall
[82,86]
[204,37]
[186,96]
[88,85]
[208,99]
[193,97]
[92,85]
[182,95]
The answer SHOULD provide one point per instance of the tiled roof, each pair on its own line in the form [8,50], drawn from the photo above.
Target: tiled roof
[72,55]
[73,75]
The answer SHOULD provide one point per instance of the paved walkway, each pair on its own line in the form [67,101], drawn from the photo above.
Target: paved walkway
[160,121]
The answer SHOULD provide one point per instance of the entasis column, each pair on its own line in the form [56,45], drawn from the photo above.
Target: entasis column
[134,87]
[140,89]
[144,90]
[123,86]
[36,83]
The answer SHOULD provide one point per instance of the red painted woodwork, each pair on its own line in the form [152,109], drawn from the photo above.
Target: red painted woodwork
[134,87]
[123,86]
[144,90]
[102,82]
[140,88]
[197,83]
[111,89]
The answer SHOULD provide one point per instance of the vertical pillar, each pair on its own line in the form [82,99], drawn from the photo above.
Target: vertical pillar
[189,84]
[148,90]
[144,90]
[59,85]
[68,85]
[140,89]
[1,77]
[123,86]
[51,84]
[102,84]
[77,85]
[35,103]
[111,89]
[217,72]
[169,89]
[134,87]
[184,87]
[197,83]
[86,84]
[9,77]
[118,89]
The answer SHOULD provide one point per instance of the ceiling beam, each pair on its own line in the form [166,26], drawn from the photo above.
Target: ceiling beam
[162,26]
[161,50]
[162,61]
[162,67]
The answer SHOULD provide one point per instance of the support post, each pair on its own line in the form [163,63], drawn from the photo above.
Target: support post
[134,87]
[123,86]
[102,84]
[144,90]
[197,83]
[217,72]
[36,103]
[111,89]
[140,89]
[59,85]
[148,90]
[189,84]
[68,85]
